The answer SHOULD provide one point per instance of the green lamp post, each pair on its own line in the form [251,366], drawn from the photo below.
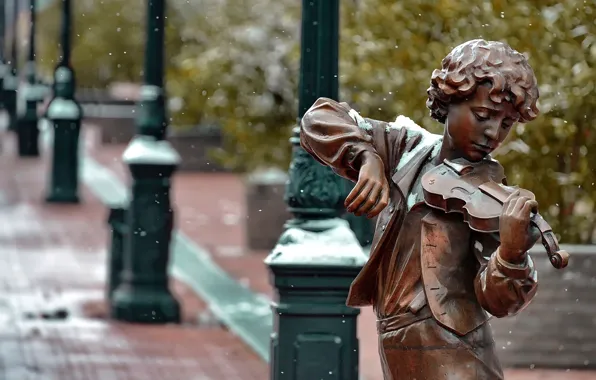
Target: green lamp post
[318,255]
[143,294]
[115,258]
[65,115]
[11,81]
[27,120]
[3,67]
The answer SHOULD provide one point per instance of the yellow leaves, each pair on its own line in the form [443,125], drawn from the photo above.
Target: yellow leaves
[188,67]
[108,40]
[561,52]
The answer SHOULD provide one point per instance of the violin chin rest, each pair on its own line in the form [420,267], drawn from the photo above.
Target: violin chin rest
[560,259]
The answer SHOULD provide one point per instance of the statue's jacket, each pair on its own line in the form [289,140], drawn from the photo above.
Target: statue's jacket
[464,281]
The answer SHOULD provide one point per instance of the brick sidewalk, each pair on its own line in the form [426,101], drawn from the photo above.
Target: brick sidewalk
[216,219]
[52,276]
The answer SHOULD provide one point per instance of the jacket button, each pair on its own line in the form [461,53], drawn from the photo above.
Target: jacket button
[383,227]
[391,209]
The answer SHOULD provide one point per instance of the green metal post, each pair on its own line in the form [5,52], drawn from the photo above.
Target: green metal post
[117,222]
[27,129]
[3,67]
[143,294]
[65,115]
[11,81]
[317,256]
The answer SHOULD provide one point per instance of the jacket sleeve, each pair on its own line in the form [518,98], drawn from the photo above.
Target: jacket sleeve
[503,289]
[336,136]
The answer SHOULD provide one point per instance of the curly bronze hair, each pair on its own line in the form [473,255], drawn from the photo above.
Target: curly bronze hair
[479,61]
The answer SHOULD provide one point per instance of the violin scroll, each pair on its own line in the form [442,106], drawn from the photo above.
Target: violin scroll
[559,259]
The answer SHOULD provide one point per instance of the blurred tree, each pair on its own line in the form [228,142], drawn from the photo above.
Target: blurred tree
[389,49]
[236,62]
[240,68]
[108,41]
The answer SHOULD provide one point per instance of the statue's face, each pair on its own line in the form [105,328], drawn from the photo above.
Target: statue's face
[477,125]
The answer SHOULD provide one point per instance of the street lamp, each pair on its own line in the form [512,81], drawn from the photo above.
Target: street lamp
[143,294]
[65,115]
[27,130]
[11,81]
[318,255]
[3,67]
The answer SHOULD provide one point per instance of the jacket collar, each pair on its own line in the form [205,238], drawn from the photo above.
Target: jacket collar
[404,177]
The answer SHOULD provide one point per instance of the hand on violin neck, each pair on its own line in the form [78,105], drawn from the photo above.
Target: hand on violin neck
[516,233]
[371,193]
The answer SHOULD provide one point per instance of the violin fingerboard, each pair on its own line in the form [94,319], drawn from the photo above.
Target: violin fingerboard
[495,191]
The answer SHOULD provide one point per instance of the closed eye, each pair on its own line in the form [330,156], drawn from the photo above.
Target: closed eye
[480,117]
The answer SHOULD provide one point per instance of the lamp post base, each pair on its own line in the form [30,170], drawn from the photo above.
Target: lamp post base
[131,304]
[143,295]
[64,180]
[311,269]
[57,197]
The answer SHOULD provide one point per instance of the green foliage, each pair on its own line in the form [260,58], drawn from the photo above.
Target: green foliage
[389,49]
[108,40]
[236,62]
[239,66]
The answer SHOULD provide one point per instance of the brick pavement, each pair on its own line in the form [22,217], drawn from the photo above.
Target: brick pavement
[52,316]
[211,211]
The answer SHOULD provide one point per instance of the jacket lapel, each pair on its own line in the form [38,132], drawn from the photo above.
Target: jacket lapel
[404,177]
[362,288]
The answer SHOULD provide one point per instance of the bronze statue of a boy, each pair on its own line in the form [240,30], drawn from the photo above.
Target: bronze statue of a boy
[432,281]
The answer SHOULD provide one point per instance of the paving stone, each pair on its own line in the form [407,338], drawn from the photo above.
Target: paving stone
[52,313]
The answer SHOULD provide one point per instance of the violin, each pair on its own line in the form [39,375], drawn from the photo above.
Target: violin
[477,190]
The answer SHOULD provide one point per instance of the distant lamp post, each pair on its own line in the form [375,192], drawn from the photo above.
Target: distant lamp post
[27,129]
[65,115]
[3,67]
[10,80]
[143,294]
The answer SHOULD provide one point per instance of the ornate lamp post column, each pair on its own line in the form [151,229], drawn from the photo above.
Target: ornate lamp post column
[143,294]
[65,115]
[10,82]
[27,130]
[317,256]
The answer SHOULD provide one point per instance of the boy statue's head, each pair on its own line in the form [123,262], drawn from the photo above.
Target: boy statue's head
[481,90]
